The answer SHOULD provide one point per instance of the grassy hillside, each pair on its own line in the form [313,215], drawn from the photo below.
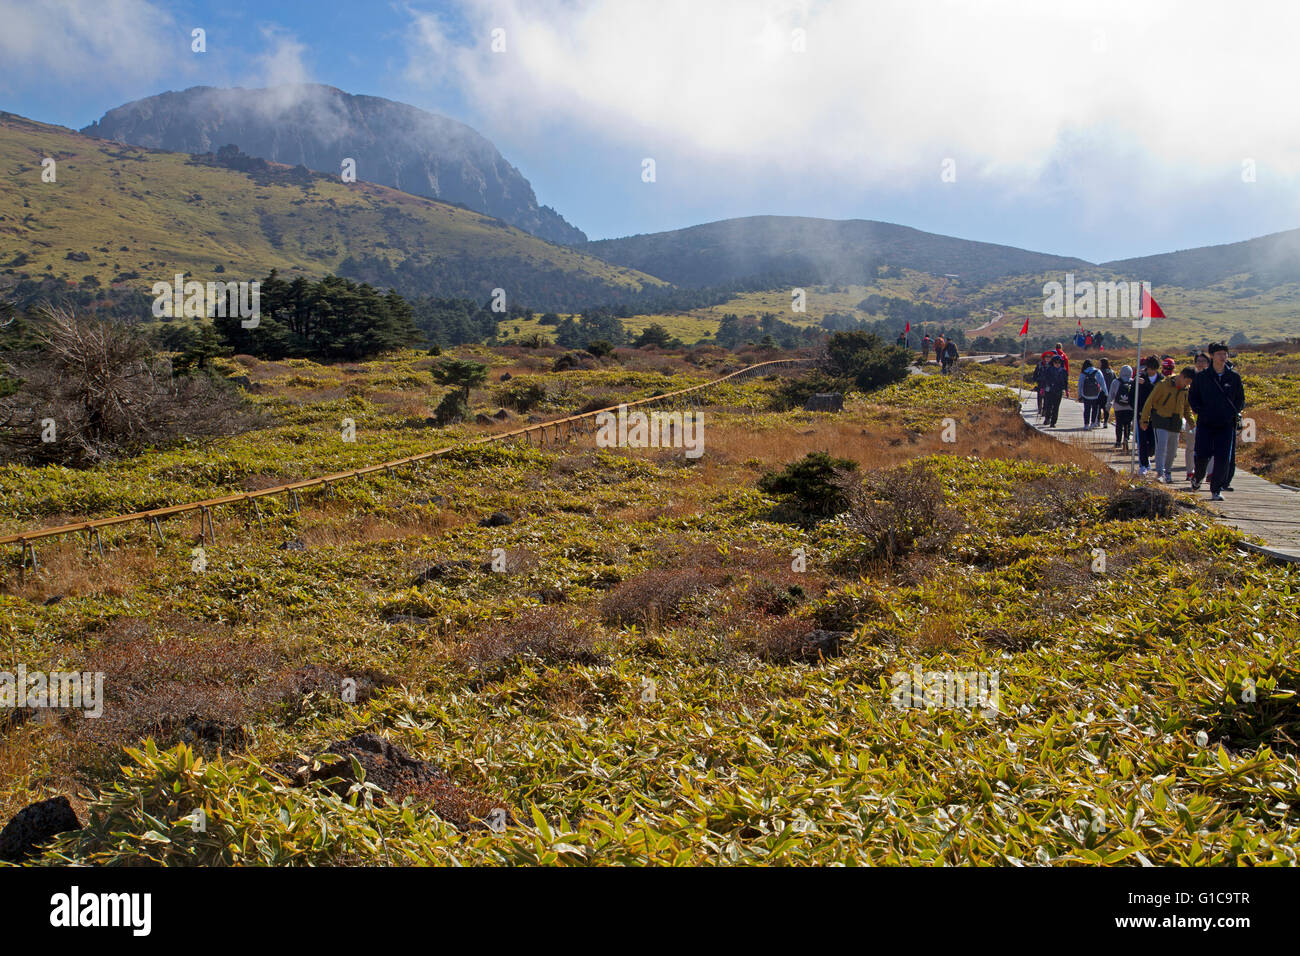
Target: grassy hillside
[131,216]
[637,686]
[1195,316]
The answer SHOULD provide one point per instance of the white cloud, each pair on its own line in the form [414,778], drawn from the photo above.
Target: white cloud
[115,42]
[886,90]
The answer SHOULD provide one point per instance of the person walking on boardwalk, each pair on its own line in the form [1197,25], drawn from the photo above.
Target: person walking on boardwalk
[1122,391]
[1189,429]
[1092,392]
[1217,397]
[1039,376]
[925,348]
[938,348]
[1108,376]
[1146,382]
[949,356]
[1054,385]
[1164,412]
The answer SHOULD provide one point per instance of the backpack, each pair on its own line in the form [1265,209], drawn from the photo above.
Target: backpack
[1091,385]
[1124,395]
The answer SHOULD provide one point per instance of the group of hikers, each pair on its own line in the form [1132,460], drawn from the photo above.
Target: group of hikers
[1088,340]
[945,352]
[1203,402]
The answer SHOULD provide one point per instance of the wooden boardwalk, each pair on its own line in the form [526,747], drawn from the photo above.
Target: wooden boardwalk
[1255,506]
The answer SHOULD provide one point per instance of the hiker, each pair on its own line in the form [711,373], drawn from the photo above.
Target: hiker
[1121,399]
[949,356]
[901,340]
[1065,361]
[1087,341]
[1078,339]
[1146,382]
[1109,377]
[1039,375]
[1091,392]
[1217,397]
[1164,412]
[1189,430]
[1054,385]
[1099,340]
[938,348]
[925,348]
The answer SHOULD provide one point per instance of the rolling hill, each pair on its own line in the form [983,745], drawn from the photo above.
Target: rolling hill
[316,126]
[775,250]
[127,216]
[1260,263]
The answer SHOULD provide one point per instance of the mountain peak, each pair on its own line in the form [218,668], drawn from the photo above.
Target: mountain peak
[317,126]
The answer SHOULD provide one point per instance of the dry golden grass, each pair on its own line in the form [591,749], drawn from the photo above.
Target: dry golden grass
[347,529]
[67,569]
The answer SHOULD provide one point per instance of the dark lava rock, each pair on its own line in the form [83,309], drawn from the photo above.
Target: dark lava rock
[1143,501]
[34,826]
[431,421]
[549,596]
[496,519]
[481,419]
[505,377]
[442,569]
[243,381]
[53,599]
[823,643]
[501,415]
[405,619]
[292,545]
[193,730]
[436,500]
[395,772]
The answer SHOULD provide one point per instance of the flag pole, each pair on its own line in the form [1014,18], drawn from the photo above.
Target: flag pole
[1137,372]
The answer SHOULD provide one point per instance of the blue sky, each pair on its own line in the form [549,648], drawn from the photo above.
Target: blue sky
[1101,129]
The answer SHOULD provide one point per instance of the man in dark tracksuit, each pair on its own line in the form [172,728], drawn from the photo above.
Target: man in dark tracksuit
[1217,397]
[1148,376]
[1052,383]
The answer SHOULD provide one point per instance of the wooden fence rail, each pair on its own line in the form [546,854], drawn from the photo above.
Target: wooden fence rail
[562,429]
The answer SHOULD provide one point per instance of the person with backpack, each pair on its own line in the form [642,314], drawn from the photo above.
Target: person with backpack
[1164,412]
[1148,380]
[1091,392]
[1087,341]
[1054,385]
[939,343]
[925,348]
[1099,340]
[949,356]
[1109,377]
[1218,398]
[1121,399]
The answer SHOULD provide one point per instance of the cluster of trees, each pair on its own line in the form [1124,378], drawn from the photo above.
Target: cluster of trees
[447,322]
[593,325]
[331,319]
[768,329]
[901,311]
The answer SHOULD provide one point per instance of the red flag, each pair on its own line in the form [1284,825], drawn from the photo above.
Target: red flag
[908,330]
[1024,329]
[1150,307]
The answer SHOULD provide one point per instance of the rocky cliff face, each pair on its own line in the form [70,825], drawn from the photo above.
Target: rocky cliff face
[393,144]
